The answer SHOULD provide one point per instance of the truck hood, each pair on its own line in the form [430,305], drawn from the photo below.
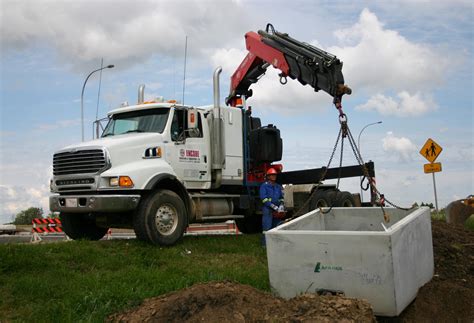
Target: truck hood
[125,148]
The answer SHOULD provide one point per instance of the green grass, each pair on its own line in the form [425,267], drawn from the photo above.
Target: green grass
[87,281]
[439,215]
[470,223]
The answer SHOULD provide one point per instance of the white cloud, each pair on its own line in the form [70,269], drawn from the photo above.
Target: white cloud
[154,85]
[407,105]
[375,59]
[59,124]
[287,99]
[122,32]
[410,180]
[449,3]
[14,199]
[24,182]
[380,59]
[228,58]
[466,152]
[400,146]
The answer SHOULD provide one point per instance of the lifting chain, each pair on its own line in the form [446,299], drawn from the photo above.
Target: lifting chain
[323,175]
[359,159]
[344,132]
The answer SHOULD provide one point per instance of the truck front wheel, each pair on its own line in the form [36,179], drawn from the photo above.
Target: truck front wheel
[161,218]
[81,226]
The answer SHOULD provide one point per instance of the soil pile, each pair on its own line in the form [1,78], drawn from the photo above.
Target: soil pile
[448,297]
[231,302]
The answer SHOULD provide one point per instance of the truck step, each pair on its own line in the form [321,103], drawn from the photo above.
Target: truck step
[222,217]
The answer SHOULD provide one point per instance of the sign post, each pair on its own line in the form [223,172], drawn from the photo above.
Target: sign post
[436,195]
[431,151]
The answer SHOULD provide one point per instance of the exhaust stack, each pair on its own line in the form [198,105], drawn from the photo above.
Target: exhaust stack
[141,93]
[218,152]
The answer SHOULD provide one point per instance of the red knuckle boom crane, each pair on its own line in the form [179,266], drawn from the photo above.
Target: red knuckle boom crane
[297,60]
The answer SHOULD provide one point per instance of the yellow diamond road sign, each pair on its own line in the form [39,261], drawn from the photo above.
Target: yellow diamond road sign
[431,150]
[432,168]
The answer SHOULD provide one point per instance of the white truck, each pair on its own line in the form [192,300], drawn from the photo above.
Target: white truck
[161,165]
[9,229]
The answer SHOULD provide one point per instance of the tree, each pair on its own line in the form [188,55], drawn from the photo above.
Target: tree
[430,205]
[26,216]
[53,215]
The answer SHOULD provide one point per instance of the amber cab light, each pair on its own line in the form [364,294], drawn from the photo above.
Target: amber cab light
[125,181]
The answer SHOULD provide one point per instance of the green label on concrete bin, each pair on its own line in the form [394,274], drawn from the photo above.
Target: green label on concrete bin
[320,267]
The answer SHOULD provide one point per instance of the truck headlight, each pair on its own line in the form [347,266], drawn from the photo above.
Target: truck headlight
[122,181]
[114,181]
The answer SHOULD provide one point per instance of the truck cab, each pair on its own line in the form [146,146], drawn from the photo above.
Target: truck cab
[182,152]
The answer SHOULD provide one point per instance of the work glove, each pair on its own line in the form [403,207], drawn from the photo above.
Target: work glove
[274,207]
[281,208]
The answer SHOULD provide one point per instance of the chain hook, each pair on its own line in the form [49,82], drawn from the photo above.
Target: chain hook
[343,122]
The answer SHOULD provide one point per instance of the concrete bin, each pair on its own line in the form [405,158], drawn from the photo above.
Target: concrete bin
[355,252]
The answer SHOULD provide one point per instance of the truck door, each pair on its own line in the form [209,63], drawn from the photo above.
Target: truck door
[189,148]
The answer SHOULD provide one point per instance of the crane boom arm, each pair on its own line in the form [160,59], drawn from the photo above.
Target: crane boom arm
[297,60]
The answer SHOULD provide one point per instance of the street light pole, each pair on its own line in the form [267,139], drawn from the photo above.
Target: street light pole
[82,96]
[358,147]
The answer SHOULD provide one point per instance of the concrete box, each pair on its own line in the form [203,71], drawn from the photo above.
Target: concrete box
[355,252]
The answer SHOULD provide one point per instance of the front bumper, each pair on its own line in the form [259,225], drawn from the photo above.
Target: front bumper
[93,203]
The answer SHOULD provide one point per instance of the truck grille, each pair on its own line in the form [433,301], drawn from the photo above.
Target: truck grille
[86,161]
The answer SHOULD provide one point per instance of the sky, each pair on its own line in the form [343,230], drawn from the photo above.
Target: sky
[408,62]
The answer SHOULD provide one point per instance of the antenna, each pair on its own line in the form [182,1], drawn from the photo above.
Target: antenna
[184,75]
[174,78]
[98,92]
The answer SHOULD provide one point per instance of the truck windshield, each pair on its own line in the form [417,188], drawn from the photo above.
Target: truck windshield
[152,120]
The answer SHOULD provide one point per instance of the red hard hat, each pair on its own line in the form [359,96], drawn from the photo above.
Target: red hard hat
[271,171]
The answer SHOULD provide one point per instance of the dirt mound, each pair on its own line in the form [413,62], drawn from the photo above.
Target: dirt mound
[231,302]
[459,211]
[448,297]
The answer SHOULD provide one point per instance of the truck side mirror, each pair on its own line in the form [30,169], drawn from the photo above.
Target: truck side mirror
[193,129]
[192,118]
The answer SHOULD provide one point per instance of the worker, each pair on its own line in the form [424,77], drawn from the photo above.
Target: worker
[271,194]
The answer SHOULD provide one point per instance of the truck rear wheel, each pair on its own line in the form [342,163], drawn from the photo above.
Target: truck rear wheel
[81,226]
[161,218]
[345,199]
[320,199]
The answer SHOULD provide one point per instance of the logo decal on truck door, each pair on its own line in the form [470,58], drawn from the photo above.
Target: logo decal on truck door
[189,156]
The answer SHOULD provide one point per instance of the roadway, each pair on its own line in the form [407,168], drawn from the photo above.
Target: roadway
[120,234]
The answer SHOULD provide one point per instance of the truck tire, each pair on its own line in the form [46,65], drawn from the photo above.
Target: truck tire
[345,199]
[331,196]
[319,199]
[161,218]
[81,226]
[250,224]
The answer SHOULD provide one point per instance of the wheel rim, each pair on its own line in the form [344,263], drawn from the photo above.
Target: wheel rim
[347,203]
[321,203]
[166,219]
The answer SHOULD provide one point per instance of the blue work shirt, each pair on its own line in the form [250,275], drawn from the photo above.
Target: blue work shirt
[271,194]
